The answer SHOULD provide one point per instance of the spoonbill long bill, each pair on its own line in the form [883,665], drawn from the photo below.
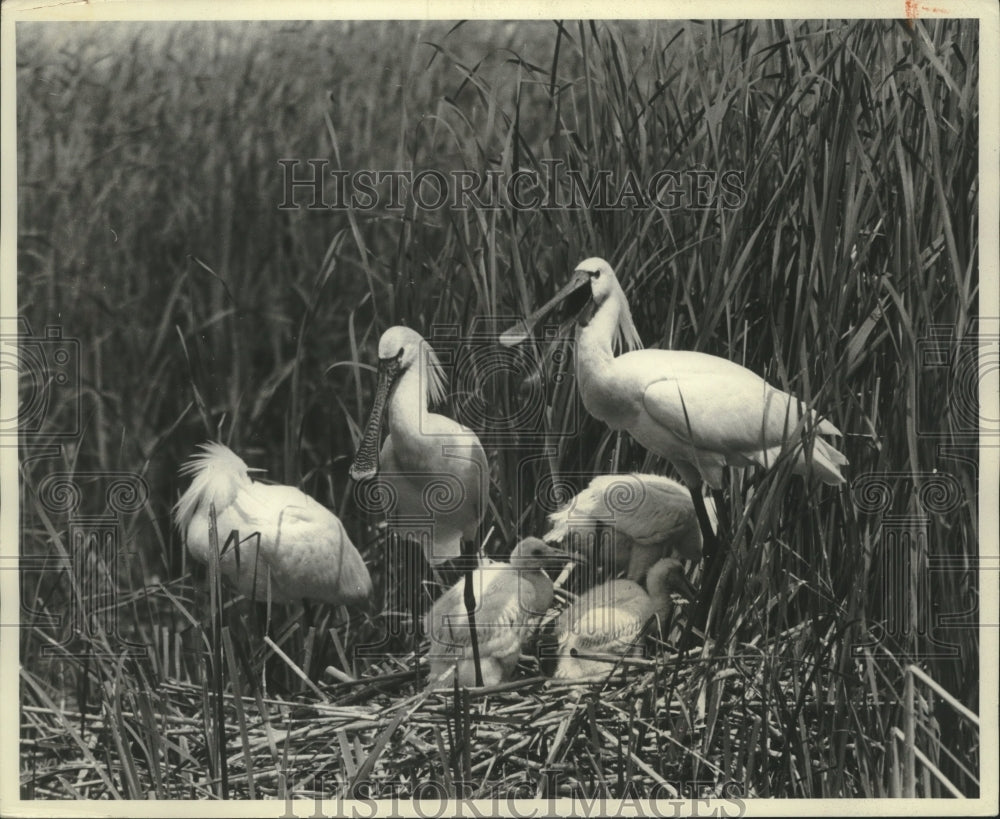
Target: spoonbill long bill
[435,468]
[511,595]
[273,540]
[651,517]
[604,622]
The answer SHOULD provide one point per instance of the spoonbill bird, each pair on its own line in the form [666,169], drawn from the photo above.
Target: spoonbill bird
[652,517]
[604,622]
[510,596]
[273,540]
[698,411]
[434,468]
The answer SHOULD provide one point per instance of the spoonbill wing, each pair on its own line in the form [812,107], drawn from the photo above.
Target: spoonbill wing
[649,516]
[504,604]
[306,547]
[747,422]
[601,628]
[645,508]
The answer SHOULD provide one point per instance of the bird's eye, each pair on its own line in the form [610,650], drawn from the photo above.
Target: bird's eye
[400,353]
[595,274]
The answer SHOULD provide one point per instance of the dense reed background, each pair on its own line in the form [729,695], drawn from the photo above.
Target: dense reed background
[149,230]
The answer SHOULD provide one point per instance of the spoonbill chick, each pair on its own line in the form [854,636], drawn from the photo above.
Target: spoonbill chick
[605,621]
[274,541]
[650,517]
[698,411]
[511,596]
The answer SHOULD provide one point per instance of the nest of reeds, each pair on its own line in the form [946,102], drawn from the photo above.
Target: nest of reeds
[660,726]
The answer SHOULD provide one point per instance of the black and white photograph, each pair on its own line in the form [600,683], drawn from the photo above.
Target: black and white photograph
[505,410]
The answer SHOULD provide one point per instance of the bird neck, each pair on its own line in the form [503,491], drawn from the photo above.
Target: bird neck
[540,585]
[594,341]
[408,412]
[659,594]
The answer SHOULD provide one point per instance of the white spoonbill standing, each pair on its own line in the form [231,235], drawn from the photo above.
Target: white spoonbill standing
[425,455]
[650,516]
[422,448]
[698,411]
[511,595]
[274,541]
[604,622]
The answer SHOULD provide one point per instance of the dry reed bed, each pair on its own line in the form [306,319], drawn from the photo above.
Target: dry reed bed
[663,727]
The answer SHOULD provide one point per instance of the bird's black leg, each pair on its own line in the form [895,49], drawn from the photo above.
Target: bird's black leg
[412,585]
[710,547]
[723,540]
[308,615]
[724,527]
[712,563]
[468,563]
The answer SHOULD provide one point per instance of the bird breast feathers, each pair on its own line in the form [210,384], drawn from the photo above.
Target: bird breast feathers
[433,423]
[438,440]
